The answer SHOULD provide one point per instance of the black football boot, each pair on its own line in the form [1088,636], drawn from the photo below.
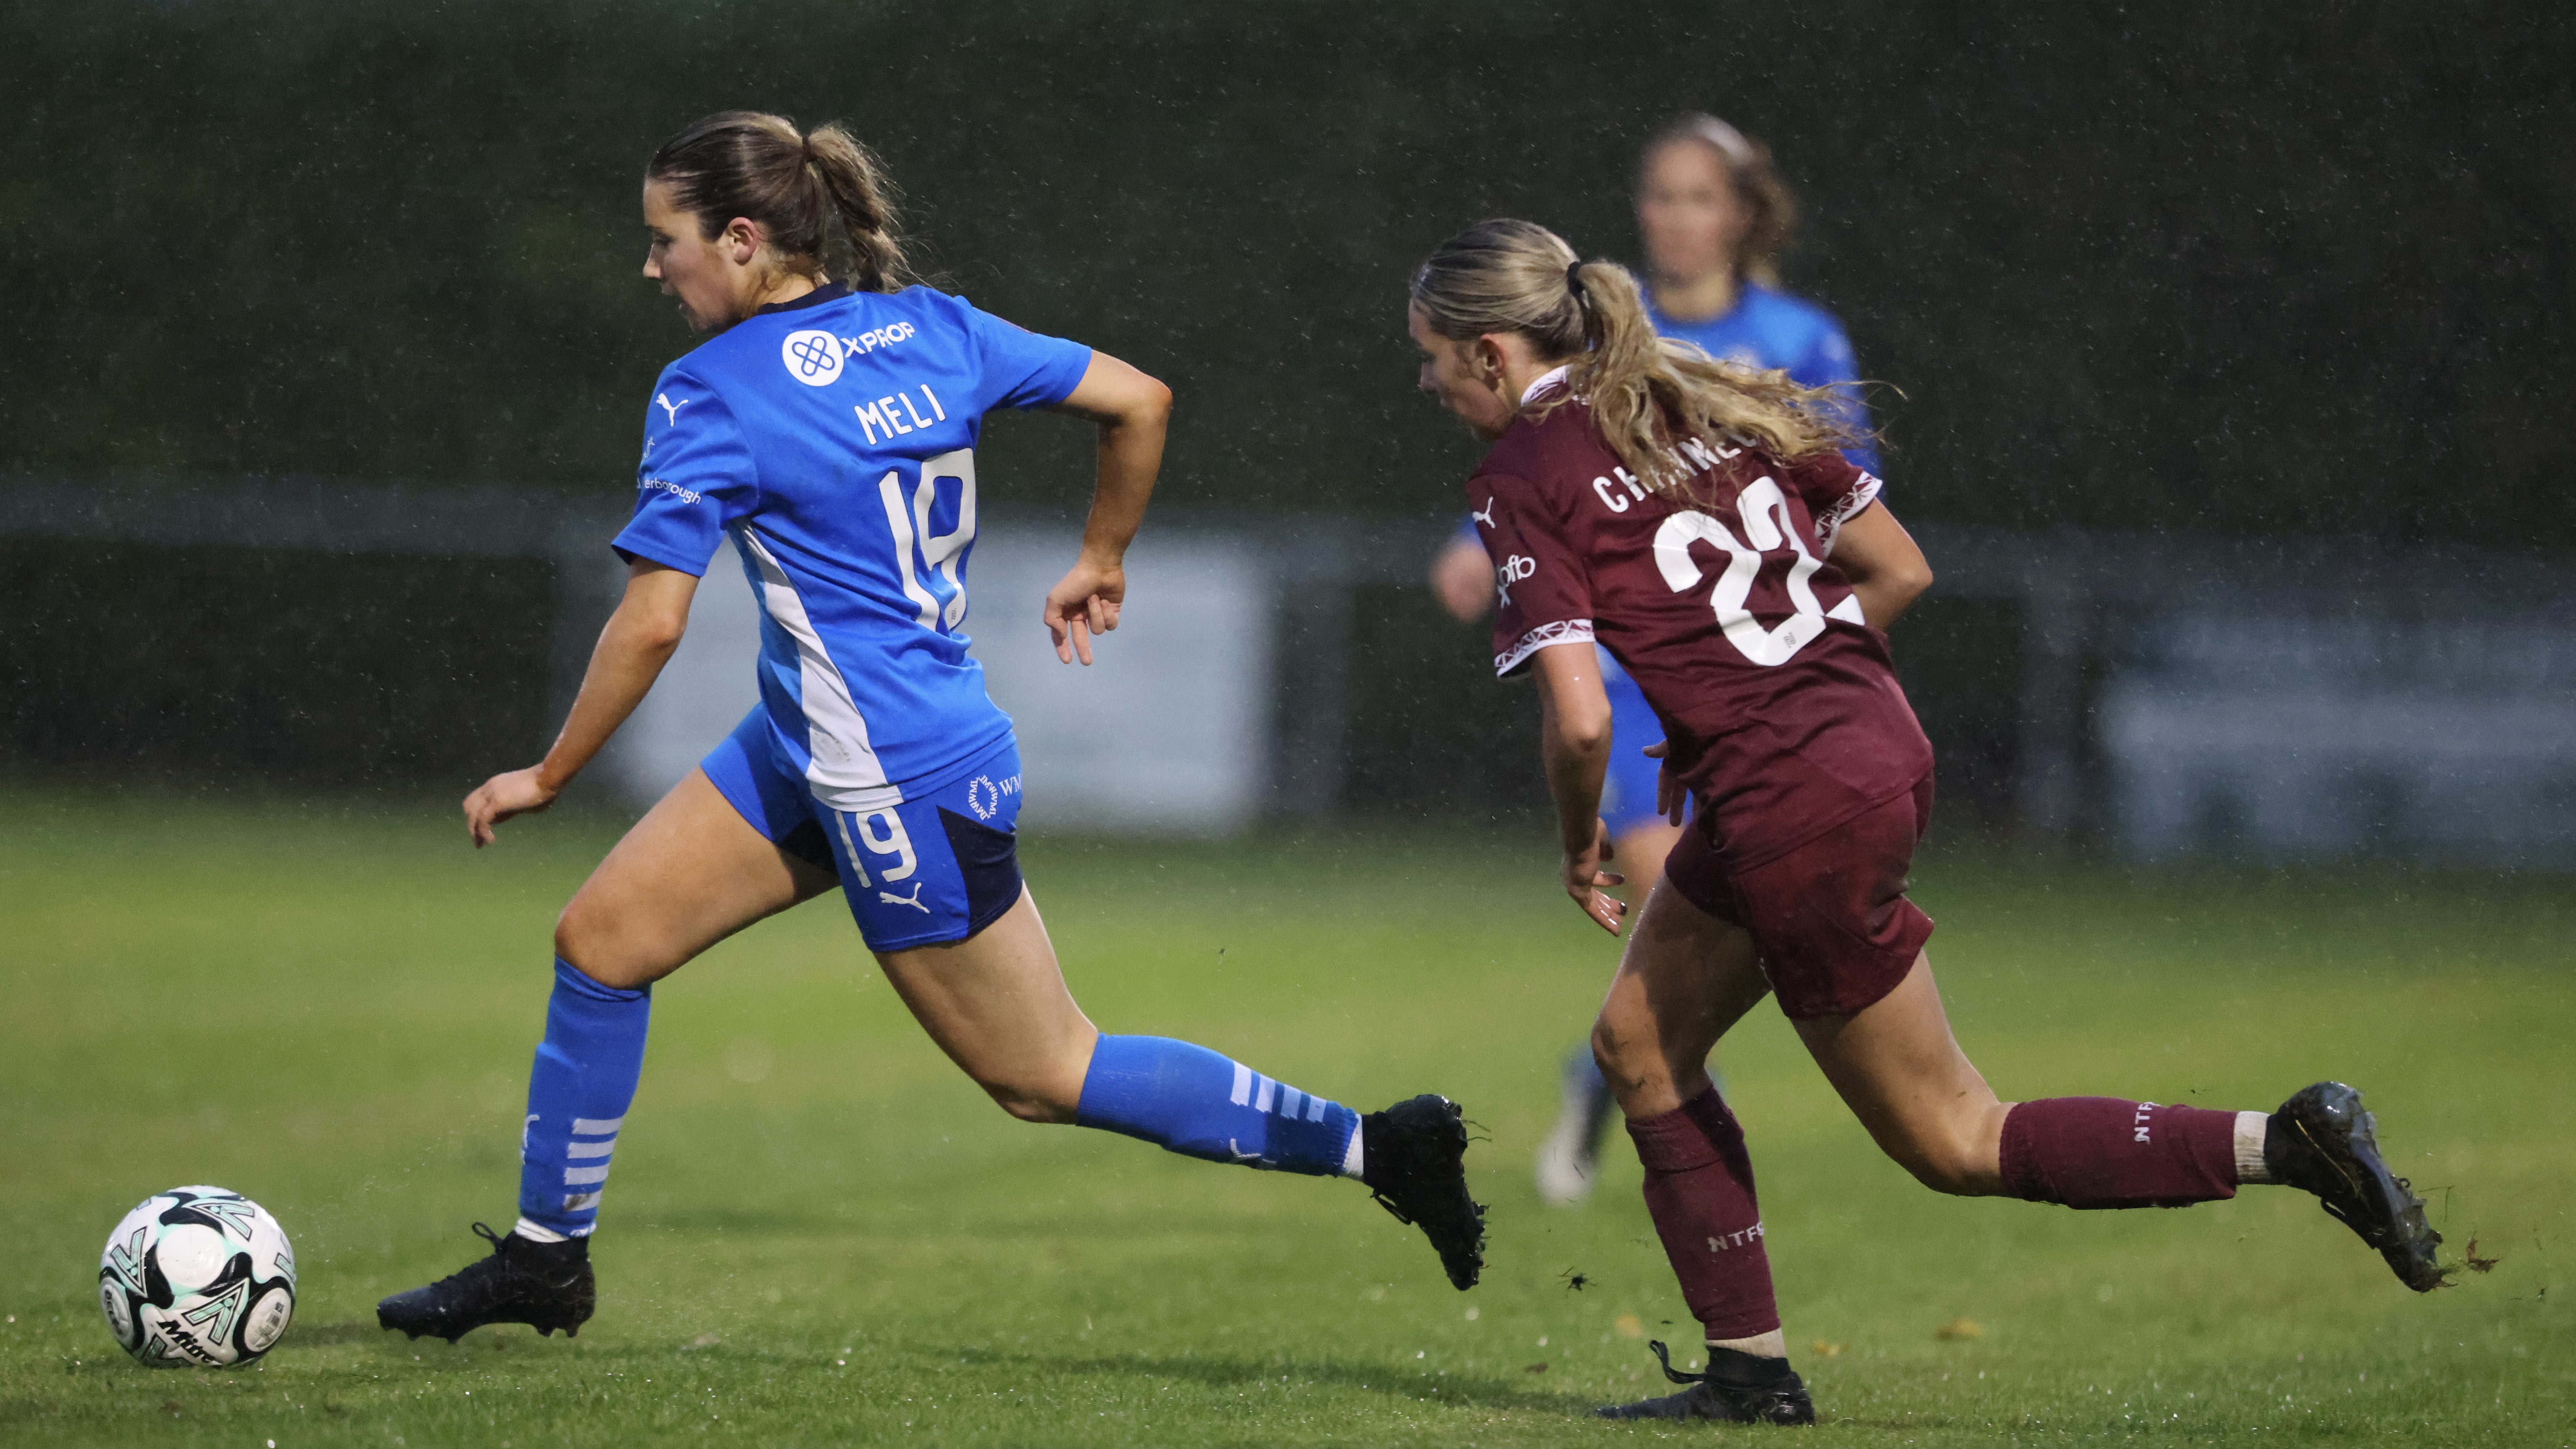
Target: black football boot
[2323,1141]
[1412,1159]
[1738,1388]
[543,1285]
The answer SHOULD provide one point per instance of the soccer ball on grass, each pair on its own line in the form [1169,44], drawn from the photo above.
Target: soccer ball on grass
[197,1277]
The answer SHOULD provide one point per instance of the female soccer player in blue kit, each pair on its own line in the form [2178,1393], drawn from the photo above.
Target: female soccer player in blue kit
[827,430]
[1714,216]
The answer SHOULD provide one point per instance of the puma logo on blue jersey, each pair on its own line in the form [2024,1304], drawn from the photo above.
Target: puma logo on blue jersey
[673,408]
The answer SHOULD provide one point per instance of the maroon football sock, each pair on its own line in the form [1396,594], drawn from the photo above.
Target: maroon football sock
[2103,1152]
[1699,1190]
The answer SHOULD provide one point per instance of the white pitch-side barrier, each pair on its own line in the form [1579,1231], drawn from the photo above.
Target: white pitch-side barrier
[1168,731]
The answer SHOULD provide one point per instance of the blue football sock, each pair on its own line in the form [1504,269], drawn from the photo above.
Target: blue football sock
[1583,1080]
[578,1093]
[1192,1101]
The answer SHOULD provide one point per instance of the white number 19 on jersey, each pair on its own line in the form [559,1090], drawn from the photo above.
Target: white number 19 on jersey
[938,590]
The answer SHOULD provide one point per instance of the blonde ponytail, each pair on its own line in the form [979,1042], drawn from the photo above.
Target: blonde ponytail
[1647,393]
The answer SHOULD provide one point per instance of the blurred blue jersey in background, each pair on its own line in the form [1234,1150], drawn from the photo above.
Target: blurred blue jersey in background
[1768,328]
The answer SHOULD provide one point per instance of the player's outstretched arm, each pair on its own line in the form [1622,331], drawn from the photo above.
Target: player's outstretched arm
[1887,570]
[631,652]
[1574,743]
[1132,411]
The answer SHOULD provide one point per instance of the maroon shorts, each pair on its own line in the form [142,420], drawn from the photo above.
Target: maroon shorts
[1829,917]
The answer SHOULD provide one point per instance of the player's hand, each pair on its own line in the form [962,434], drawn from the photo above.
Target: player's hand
[1463,579]
[1083,603]
[1583,876]
[1670,793]
[520,792]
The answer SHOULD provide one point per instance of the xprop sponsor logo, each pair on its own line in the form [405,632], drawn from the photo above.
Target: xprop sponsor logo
[886,336]
[812,357]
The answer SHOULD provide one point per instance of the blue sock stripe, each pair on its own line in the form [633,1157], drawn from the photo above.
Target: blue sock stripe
[1193,1101]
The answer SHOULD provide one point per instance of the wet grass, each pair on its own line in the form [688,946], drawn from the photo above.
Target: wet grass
[819,1232]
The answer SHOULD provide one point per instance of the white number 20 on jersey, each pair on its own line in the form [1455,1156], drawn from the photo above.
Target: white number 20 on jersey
[1767,522]
[941,553]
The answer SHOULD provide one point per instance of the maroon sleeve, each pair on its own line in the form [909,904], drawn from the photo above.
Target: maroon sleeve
[1542,591]
[1835,489]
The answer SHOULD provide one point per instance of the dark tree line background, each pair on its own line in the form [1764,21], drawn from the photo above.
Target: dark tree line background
[2192,266]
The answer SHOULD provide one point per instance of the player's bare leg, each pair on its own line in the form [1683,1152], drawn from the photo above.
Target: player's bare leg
[1569,1156]
[687,875]
[1684,981]
[1902,1073]
[998,1005]
[1686,978]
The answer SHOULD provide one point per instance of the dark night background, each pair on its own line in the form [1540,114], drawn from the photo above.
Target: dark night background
[2199,268]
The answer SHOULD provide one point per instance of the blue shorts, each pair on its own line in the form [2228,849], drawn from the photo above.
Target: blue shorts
[931,870]
[1628,786]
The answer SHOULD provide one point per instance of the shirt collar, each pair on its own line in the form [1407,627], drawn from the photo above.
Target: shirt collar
[1545,380]
[828,292]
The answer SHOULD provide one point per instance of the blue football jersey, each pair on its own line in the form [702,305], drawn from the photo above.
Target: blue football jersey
[1768,328]
[832,438]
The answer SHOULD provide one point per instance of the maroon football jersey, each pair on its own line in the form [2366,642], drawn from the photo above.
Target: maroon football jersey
[1779,702]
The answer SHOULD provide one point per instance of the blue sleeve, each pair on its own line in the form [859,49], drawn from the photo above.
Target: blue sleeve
[1024,369]
[696,477]
[1829,363]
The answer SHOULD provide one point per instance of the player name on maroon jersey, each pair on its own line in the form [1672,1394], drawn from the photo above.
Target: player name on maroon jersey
[1779,701]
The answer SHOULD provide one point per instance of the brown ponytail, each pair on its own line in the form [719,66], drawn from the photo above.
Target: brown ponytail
[757,166]
[1647,392]
[860,191]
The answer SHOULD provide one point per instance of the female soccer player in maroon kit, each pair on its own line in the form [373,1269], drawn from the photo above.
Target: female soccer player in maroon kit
[1694,518]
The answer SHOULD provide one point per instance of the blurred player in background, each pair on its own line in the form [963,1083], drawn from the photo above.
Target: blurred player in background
[1714,216]
[827,430]
[1695,519]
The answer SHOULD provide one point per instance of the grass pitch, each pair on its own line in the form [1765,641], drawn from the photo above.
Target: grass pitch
[820,1232]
